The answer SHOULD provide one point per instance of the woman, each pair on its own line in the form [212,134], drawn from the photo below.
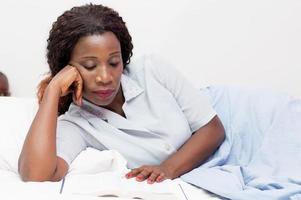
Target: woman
[145,110]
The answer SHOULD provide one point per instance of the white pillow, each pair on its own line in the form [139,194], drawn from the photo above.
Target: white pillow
[16,115]
[93,161]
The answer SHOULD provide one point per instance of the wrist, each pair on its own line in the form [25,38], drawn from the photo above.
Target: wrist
[170,169]
[52,91]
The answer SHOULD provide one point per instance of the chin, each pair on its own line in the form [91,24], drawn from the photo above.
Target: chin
[99,102]
[102,104]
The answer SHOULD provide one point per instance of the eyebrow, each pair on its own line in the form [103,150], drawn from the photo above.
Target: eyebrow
[94,57]
[89,57]
[116,52]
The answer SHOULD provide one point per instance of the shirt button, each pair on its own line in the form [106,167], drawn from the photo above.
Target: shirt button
[167,147]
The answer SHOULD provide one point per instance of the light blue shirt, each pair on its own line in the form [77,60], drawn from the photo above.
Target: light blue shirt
[162,111]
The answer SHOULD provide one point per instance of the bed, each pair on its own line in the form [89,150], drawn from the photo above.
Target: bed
[259,159]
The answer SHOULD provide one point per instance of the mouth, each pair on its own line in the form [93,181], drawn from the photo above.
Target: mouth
[104,94]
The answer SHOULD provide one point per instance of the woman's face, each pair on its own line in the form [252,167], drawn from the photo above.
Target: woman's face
[99,61]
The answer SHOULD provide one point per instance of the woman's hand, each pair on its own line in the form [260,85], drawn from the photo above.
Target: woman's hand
[151,173]
[69,80]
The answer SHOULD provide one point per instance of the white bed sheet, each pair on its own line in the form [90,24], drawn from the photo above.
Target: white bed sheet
[88,163]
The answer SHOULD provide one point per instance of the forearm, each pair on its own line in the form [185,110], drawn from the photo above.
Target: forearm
[197,149]
[38,157]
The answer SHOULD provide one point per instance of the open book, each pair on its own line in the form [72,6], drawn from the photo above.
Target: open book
[114,184]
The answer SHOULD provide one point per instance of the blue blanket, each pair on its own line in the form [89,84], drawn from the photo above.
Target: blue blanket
[261,155]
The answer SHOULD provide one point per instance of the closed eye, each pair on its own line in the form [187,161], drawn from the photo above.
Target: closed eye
[89,67]
[114,64]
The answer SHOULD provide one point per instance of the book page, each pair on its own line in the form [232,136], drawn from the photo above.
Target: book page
[114,184]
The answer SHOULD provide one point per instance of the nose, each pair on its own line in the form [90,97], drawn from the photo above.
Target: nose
[103,76]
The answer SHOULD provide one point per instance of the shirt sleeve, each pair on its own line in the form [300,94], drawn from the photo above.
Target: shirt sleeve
[69,140]
[193,102]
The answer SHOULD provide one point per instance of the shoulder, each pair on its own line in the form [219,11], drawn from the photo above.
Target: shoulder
[149,64]
[73,114]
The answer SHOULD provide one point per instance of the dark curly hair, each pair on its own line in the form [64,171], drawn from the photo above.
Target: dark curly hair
[73,24]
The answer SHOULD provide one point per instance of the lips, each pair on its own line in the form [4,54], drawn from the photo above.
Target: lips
[104,94]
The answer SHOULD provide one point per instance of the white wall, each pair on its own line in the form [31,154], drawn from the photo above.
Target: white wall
[241,42]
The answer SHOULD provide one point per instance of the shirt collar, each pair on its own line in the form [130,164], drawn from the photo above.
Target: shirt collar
[130,88]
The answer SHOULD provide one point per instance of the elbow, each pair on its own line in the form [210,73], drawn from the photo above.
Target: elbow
[33,174]
[31,178]
[218,130]
[222,133]
[35,177]
[30,175]
[27,175]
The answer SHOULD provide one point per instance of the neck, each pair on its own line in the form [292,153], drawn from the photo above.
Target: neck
[116,105]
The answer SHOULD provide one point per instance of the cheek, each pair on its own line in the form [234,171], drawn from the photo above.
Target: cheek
[86,84]
[87,81]
[118,73]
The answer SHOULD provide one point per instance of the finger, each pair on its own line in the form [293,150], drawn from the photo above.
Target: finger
[128,175]
[160,178]
[135,172]
[152,178]
[67,79]
[77,85]
[143,175]
[70,65]
[131,174]
[78,90]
